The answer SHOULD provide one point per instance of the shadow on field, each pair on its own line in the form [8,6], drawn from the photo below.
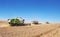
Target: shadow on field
[17,24]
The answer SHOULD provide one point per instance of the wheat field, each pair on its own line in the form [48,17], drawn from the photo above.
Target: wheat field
[41,30]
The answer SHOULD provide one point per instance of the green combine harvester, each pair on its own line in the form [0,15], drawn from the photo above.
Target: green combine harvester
[16,22]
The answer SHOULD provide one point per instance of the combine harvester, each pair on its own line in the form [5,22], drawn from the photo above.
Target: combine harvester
[16,22]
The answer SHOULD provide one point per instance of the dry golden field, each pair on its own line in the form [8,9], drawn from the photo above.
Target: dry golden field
[4,23]
[41,30]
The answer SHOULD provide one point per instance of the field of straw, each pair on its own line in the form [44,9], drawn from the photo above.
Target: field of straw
[41,30]
[46,30]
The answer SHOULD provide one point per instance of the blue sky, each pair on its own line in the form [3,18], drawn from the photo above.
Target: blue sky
[41,10]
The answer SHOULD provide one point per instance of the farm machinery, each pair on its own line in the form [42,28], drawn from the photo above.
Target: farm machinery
[16,21]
